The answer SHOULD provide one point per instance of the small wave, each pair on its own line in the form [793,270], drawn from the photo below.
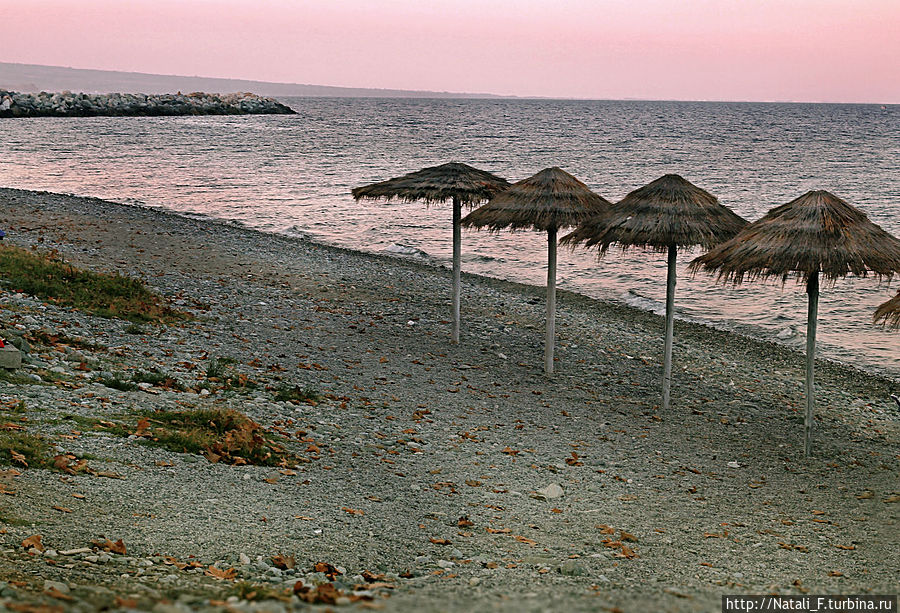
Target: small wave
[480,257]
[296,231]
[642,303]
[406,251]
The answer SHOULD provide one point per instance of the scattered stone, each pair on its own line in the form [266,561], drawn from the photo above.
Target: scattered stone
[572,568]
[59,586]
[550,492]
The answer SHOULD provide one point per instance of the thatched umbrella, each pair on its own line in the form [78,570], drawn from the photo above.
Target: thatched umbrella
[816,233]
[454,181]
[664,215]
[889,312]
[547,201]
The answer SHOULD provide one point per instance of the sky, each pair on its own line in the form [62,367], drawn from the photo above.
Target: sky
[764,50]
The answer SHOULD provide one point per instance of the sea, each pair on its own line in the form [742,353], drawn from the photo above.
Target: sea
[292,175]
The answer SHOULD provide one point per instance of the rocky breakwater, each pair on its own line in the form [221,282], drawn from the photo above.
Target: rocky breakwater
[68,104]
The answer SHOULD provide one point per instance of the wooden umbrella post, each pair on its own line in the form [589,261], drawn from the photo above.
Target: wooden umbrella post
[550,341]
[670,325]
[812,288]
[457,239]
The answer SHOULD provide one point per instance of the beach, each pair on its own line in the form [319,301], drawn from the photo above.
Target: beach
[461,473]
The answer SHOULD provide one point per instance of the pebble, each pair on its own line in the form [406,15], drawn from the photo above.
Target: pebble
[60,587]
[572,568]
[550,492]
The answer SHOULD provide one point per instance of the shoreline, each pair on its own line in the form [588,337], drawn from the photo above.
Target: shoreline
[418,437]
[880,372]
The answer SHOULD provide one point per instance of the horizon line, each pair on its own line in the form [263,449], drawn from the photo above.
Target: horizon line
[453,94]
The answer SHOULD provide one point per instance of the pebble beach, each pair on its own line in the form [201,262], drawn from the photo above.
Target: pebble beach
[460,477]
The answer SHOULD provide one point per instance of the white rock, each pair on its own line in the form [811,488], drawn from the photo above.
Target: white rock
[786,333]
[62,588]
[551,492]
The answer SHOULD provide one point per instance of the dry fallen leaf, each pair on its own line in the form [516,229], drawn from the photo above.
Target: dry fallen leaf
[142,426]
[33,541]
[574,460]
[327,569]
[228,575]
[353,511]
[18,457]
[55,593]
[107,545]
[626,536]
[284,562]
[626,552]
[126,603]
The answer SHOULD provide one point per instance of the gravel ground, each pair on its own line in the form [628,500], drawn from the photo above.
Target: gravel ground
[460,476]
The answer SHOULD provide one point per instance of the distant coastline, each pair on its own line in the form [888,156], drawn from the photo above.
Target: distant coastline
[36,78]
[68,104]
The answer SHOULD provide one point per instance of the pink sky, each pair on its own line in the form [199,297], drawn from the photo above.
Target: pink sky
[809,50]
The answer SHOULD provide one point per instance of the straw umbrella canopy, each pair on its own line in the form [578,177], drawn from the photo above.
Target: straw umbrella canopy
[664,215]
[816,234]
[889,312]
[547,201]
[460,183]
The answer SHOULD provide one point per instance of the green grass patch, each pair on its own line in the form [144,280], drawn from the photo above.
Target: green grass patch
[157,378]
[47,276]
[21,449]
[218,372]
[12,520]
[16,378]
[221,435]
[153,377]
[14,407]
[258,592]
[297,394]
[52,340]
[218,367]
[116,382]
[134,328]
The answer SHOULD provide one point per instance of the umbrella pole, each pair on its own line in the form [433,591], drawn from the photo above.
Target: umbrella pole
[550,340]
[670,325]
[457,215]
[812,288]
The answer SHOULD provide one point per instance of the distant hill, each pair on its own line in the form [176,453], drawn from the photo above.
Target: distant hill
[36,78]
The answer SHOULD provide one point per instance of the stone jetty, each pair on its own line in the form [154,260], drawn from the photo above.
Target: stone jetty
[68,104]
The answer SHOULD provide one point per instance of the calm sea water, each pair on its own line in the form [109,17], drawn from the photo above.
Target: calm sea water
[293,174]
